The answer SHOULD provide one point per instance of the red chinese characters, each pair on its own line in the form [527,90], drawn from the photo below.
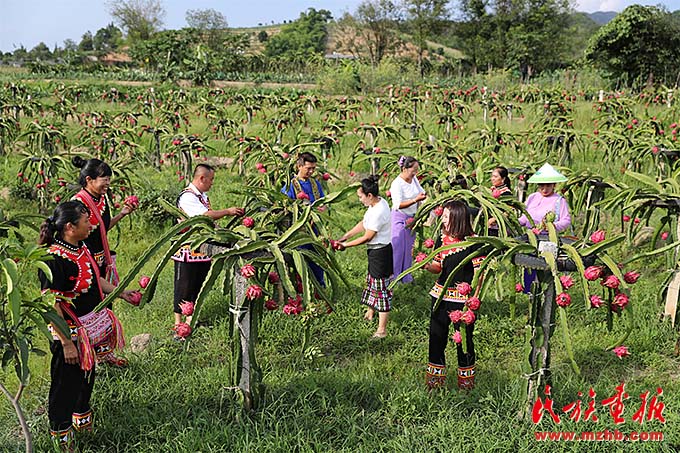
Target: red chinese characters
[651,407]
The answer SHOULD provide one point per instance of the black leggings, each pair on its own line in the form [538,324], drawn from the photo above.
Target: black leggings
[70,389]
[439,335]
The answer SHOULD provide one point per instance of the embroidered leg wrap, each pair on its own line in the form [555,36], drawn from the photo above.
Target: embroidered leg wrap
[435,377]
[83,422]
[466,377]
[63,439]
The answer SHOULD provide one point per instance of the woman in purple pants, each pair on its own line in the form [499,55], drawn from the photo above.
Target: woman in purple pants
[406,193]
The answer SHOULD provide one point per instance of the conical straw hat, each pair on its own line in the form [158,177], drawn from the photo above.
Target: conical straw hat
[547,175]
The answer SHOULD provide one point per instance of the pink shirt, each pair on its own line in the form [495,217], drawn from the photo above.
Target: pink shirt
[538,206]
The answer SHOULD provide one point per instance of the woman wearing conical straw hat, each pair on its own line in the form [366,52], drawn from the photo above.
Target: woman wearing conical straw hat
[545,201]
[542,205]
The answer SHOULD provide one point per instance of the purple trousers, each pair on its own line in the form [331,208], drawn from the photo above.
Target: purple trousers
[402,245]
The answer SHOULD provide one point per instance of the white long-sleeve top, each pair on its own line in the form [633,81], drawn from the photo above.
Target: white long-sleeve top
[400,191]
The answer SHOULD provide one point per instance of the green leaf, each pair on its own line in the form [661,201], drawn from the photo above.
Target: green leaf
[301,268]
[240,250]
[44,268]
[150,290]
[340,195]
[601,246]
[552,263]
[647,180]
[300,223]
[23,372]
[216,268]
[281,269]
[614,268]
[40,324]
[651,253]
[576,258]
[429,258]
[51,316]
[564,326]
[13,293]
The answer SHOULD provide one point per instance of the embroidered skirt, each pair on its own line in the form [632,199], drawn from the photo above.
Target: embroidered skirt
[103,331]
[376,295]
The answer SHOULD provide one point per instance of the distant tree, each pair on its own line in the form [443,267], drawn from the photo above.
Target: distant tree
[138,18]
[537,35]
[108,38]
[425,19]
[262,36]
[305,36]
[70,45]
[168,48]
[40,52]
[69,53]
[231,56]
[210,23]
[86,42]
[474,33]
[372,30]
[20,53]
[529,35]
[205,19]
[640,44]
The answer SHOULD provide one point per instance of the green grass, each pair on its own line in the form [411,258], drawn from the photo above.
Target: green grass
[357,394]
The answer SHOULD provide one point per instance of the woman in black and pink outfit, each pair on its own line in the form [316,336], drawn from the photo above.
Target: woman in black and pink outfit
[78,288]
[95,179]
[456,228]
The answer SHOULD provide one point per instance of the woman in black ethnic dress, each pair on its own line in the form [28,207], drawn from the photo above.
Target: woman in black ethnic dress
[95,179]
[457,295]
[78,289]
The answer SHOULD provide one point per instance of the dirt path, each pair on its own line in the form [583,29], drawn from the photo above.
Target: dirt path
[188,84]
[270,85]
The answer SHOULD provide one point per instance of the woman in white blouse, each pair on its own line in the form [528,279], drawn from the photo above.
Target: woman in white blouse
[407,193]
[375,233]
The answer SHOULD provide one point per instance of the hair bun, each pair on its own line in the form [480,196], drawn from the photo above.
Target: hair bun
[78,161]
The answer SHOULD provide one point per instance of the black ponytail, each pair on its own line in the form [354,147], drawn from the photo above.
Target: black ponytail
[65,213]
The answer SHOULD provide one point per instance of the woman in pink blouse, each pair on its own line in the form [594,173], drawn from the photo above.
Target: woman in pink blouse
[541,203]
[545,201]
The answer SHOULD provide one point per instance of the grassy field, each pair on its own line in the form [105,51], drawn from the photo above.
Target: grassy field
[354,393]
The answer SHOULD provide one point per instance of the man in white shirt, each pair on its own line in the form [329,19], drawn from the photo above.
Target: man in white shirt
[191,267]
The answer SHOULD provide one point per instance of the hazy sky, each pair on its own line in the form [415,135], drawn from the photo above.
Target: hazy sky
[28,22]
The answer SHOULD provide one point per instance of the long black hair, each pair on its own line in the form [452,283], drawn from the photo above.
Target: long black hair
[65,213]
[459,220]
[94,168]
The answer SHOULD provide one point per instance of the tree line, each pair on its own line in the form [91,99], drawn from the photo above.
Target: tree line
[639,46]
